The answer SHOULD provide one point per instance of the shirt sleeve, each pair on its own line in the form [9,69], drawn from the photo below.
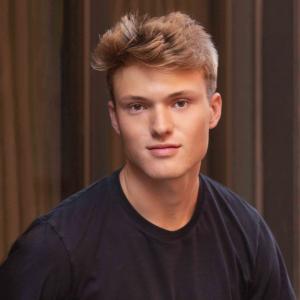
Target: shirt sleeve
[270,276]
[37,267]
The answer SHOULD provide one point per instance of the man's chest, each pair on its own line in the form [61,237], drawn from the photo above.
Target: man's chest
[138,267]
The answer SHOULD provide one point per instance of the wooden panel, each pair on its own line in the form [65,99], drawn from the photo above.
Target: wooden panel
[220,150]
[45,27]
[29,114]
[296,150]
[232,143]
[72,106]
[10,221]
[257,113]
[101,131]
[278,124]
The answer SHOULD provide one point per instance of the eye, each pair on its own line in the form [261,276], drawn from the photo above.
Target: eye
[181,103]
[136,107]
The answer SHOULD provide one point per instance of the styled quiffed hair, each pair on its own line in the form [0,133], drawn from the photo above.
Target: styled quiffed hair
[174,41]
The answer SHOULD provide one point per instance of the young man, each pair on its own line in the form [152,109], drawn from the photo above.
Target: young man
[155,229]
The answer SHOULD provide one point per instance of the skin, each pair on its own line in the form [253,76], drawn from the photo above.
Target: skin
[163,118]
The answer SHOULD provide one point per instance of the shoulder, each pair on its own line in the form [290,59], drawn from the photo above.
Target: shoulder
[85,199]
[55,244]
[38,256]
[52,233]
[237,219]
[255,247]
[39,240]
[79,215]
[231,203]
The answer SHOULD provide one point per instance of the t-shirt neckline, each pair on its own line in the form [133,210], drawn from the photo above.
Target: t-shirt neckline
[151,229]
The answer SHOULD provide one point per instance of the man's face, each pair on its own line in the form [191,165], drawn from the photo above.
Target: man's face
[163,118]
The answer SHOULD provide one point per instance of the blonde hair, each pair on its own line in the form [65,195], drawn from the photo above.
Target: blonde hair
[174,41]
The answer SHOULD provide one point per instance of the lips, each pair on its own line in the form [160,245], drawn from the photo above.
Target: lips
[163,150]
[163,146]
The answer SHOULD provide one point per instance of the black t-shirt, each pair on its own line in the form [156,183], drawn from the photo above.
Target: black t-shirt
[95,245]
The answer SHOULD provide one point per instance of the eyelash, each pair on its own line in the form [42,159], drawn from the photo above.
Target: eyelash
[132,106]
[185,101]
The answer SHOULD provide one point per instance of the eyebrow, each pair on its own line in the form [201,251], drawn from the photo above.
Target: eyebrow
[180,93]
[131,97]
[141,98]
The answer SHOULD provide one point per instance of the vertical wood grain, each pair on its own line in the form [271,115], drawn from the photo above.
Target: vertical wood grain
[29,115]
[10,220]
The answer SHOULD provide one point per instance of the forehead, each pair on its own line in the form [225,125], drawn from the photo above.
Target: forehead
[154,82]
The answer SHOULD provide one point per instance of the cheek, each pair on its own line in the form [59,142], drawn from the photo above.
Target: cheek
[133,127]
[127,127]
[196,137]
[196,126]
[131,134]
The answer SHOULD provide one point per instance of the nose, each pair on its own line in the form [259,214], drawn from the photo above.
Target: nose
[161,123]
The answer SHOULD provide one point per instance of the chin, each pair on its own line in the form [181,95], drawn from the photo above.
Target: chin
[164,175]
[164,169]
[164,172]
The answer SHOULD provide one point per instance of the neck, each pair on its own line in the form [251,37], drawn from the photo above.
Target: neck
[167,203]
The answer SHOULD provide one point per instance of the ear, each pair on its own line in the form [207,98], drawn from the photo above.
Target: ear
[215,110]
[113,116]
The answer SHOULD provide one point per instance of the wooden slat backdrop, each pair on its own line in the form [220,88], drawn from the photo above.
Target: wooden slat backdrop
[29,113]
[9,181]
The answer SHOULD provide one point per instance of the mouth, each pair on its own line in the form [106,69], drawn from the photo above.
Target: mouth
[163,146]
[163,150]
